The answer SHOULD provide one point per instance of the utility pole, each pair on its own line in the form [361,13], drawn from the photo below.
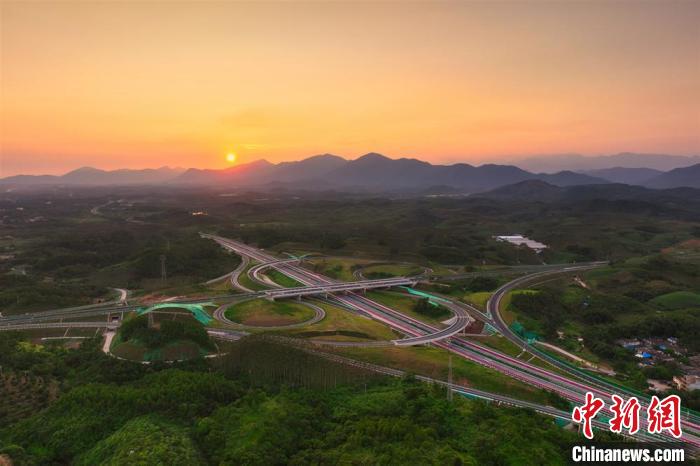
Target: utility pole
[163,270]
[449,380]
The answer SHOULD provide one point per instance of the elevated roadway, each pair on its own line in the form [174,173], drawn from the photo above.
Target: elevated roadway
[255,273]
[39,326]
[513,367]
[324,286]
[331,288]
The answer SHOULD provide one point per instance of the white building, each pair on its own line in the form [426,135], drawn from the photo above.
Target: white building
[520,240]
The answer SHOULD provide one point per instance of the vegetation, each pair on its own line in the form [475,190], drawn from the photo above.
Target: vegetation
[425,307]
[408,305]
[340,324]
[256,411]
[434,362]
[170,339]
[677,300]
[282,279]
[137,328]
[390,270]
[265,313]
[268,403]
[145,440]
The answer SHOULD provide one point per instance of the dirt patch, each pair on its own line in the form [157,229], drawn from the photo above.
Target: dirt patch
[689,244]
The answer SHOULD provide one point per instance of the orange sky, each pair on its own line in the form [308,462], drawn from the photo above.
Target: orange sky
[145,84]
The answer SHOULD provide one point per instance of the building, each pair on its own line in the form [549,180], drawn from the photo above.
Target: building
[520,240]
[658,385]
[687,382]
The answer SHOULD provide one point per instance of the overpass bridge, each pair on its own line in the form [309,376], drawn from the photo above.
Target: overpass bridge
[254,272]
[191,304]
[459,322]
[331,288]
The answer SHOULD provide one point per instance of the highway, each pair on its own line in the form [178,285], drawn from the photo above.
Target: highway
[417,332]
[511,366]
[107,308]
[461,320]
[595,384]
[600,424]
[104,324]
[255,272]
[351,300]
[326,289]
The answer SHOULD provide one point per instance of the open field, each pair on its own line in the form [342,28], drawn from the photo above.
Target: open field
[343,325]
[282,279]
[405,303]
[477,299]
[261,312]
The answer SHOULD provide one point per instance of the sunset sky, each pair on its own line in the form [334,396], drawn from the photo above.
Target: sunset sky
[146,84]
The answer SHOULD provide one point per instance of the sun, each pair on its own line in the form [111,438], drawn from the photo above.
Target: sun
[230,157]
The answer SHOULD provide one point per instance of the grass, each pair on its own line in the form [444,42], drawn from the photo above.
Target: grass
[339,268]
[506,346]
[433,362]
[222,285]
[677,300]
[478,299]
[244,280]
[281,279]
[343,325]
[393,270]
[404,303]
[264,313]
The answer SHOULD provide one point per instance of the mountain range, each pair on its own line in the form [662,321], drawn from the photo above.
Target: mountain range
[370,173]
[581,163]
[536,190]
[95,176]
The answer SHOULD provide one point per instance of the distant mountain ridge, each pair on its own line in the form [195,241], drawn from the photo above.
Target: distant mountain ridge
[626,175]
[581,163]
[370,173]
[95,176]
[375,172]
[536,190]
[686,176]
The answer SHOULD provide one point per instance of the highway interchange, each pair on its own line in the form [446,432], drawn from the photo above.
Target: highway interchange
[349,295]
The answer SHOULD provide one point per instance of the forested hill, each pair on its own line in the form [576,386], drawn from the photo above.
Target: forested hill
[310,411]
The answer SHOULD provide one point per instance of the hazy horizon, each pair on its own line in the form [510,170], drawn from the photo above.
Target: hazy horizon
[116,85]
[500,161]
